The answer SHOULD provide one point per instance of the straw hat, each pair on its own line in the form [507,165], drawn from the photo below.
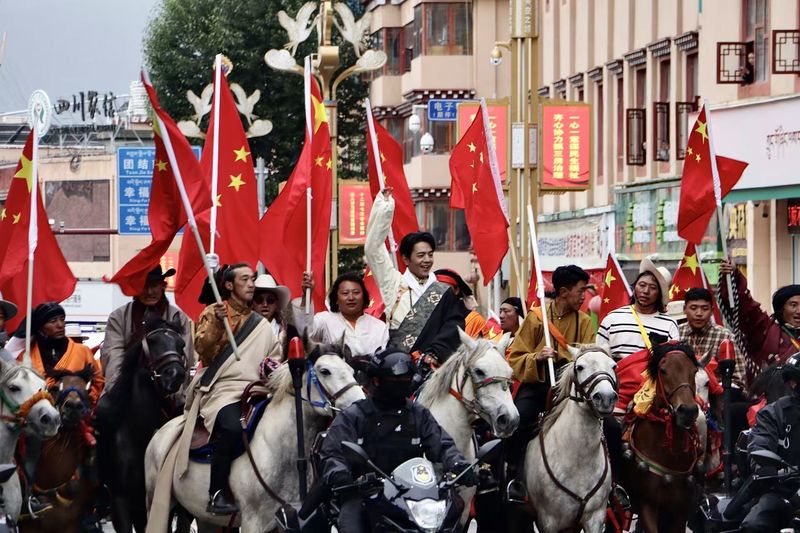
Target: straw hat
[662,275]
[73,331]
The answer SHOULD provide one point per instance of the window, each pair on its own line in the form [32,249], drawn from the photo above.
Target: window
[661,131]
[410,142]
[580,94]
[599,107]
[691,77]
[448,226]
[640,78]
[682,110]
[396,128]
[392,42]
[620,124]
[444,135]
[757,36]
[416,32]
[446,27]
[636,123]
[78,204]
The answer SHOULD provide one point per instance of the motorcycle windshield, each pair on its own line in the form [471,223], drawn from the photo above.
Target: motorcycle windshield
[419,476]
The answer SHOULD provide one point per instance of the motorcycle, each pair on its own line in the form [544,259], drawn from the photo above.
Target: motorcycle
[412,499]
[724,514]
[7,524]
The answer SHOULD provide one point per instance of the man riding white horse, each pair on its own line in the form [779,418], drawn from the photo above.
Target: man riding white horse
[216,390]
[423,314]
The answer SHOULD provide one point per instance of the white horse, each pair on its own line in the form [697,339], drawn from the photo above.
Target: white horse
[329,385]
[567,472]
[25,407]
[474,383]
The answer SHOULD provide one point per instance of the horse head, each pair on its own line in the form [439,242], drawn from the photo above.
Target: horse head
[329,380]
[25,402]
[163,353]
[483,383]
[591,379]
[72,394]
[673,367]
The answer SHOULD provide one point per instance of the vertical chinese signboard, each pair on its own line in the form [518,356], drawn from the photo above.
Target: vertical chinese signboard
[566,147]
[498,120]
[355,204]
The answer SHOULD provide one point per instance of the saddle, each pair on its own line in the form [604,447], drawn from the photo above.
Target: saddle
[253,405]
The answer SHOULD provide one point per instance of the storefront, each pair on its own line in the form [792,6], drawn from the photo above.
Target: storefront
[763,210]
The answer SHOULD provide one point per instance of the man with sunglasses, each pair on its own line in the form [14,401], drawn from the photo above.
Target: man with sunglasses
[269,299]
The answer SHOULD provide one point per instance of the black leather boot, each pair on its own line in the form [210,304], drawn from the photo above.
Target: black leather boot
[220,504]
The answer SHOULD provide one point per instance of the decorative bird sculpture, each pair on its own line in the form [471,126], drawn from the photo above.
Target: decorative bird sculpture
[352,31]
[244,103]
[298,28]
[201,104]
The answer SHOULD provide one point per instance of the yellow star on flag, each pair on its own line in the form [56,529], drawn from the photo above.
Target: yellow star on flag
[383,157]
[217,202]
[320,115]
[689,150]
[609,278]
[3,214]
[690,261]
[481,157]
[236,182]
[16,218]
[371,302]
[471,147]
[241,154]
[318,161]
[474,188]
[329,164]
[161,165]
[385,180]
[606,300]
[673,290]
[701,129]
[697,157]
[26,171]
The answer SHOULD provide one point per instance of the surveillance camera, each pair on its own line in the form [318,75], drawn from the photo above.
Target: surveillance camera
[426,143]
[496,57]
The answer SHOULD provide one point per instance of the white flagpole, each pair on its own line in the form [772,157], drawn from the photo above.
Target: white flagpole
[376,156]
[309,136]
[215,153]
[33,238]
[540,293]
[308,246]
[187,206]
[718,196]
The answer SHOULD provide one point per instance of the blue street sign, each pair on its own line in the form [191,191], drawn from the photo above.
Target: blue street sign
[134,179]
[445,110]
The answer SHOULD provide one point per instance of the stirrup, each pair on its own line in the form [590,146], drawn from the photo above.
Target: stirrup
[619,494]
[515,492]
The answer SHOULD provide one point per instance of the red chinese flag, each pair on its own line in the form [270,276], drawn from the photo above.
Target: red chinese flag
[376,306]
[476,189]
[283,226]
[165,213]
[391,162]
[698,201]
[533,296]
[237,204]
[615,292]
[690,275]
[52,278]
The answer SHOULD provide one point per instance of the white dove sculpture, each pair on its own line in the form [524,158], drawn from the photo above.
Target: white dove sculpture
[298,28]
[352,31]
[201,104]
[244,103]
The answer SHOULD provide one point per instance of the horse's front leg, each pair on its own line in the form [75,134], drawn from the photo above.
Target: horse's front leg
[120,513]
[648,516]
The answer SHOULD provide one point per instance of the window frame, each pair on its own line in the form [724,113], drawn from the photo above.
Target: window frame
[425,47]
[424,210]
[638,114]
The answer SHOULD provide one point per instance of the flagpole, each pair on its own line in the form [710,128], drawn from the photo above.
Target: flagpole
[308,247]
[215,153]
[33,236]
[540,293]
[515,260]
[717,196]
[376,156]
[187,206]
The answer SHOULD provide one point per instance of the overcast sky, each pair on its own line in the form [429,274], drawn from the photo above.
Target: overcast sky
[68,46]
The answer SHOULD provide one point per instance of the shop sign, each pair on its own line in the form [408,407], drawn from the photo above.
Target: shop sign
[442,110]
[498,121]
[566,147]
[737,232]
[582,241]
[356,202]
[793,216]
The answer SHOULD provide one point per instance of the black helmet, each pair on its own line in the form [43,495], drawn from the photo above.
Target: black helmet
[392,362]
[791,368]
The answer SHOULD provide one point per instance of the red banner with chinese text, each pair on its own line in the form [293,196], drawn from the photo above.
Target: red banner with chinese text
[566,147]
[498,121]
[355,200]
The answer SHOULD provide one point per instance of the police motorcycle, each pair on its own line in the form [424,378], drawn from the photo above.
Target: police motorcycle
[7,524]
[412,499]
[723,514]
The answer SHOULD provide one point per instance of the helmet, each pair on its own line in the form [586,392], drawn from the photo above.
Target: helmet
[391,362]
[791,368]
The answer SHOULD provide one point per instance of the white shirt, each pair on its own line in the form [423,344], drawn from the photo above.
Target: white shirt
[620,334]
[368,336]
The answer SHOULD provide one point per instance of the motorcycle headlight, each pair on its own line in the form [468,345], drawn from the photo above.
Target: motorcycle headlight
[428,514]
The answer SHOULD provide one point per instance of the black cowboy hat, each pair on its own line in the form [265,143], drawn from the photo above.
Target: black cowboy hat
[157,275]
[8,308]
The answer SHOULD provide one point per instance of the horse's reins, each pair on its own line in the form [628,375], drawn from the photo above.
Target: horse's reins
[584,396]
[171,356]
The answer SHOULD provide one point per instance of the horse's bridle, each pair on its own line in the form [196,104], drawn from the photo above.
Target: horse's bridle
[667,397]
[172,356]
[62,395]
[19,412]
[474,406]
[586,387]
[329,400]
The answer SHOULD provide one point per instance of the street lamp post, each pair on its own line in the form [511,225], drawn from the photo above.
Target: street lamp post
[325,65]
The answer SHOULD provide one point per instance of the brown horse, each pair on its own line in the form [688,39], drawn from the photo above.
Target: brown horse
[661,446]
[62,473]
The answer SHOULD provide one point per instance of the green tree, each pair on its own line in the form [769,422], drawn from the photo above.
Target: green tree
[179,47]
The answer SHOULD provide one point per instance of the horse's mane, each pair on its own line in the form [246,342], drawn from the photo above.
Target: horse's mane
[120,393]
[11,370]
[564,385]
[439,383]
[662,350]
[57,374]
[279,383]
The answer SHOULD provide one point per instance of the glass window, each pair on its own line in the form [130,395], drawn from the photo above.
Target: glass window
[462,239]
[408,47]
[447,29]
[444,135]
[416,32]
[395,126]
[448,226]
[756,33]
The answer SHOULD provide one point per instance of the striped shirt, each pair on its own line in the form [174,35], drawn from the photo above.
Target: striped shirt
[620,333]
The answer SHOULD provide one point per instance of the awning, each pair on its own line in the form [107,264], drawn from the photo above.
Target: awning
[760,194]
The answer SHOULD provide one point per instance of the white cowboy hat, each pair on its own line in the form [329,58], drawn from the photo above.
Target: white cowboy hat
[265,282]
[662,275]
[675,310]
[73,331]
[8,308]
